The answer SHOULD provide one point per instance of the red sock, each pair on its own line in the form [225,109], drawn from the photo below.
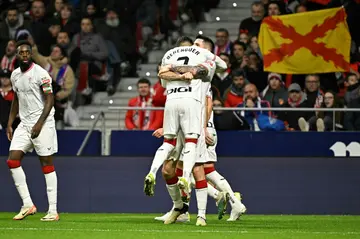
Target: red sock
[209,170]
[13,163]
[48,169]
[172,181]
[179,172]
[201,184]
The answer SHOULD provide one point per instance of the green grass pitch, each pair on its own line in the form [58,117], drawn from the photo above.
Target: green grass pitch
[128,226]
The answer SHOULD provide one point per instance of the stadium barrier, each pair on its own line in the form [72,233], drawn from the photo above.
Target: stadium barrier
[268,185]
[231,143]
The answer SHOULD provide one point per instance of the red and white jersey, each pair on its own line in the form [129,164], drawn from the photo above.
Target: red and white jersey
[29,88]
[192,56]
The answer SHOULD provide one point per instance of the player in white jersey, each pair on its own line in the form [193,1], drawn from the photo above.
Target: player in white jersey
[209,158]
[195,101]
[34,102]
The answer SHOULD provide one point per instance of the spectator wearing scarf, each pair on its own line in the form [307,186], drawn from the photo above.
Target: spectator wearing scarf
[143,119]
[9,61]
[61,73]
[235,93]
[223,43]
[297,99]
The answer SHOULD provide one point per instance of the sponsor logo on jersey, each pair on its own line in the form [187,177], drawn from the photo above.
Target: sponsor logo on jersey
[179,90]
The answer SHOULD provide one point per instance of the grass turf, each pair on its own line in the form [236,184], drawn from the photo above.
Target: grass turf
[128,226]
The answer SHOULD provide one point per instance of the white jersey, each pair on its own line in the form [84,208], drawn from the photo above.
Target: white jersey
[192,56]
[28,87]
[210,123]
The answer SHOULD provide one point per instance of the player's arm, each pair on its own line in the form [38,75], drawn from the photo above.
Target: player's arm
[13,111]
[209,108]
[220,64]
[199,71]
[49,103]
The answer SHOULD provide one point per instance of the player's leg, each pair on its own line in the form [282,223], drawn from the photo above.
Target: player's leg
[190,123]
[46,146]
[169,175]
[171,128]
[201,193]
[20,143]
[222,184]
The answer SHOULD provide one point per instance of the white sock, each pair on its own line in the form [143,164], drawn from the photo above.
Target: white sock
[189,160]
[221,183]
[175,195]
[51,188]
[212,192]
[160,156]
[201,198]
[21,185]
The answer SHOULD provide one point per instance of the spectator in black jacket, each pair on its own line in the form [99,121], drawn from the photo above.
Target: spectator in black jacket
[252,24]
[352,119]
[222,81]
[297,99]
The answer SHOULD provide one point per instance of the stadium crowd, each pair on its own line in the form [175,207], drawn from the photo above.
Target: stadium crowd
[87,46]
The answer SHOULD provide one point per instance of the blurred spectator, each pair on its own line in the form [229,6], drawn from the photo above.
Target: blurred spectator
[312,89]
[9,60]
[254,45]
[352,119]
[234,95]
[62,75]
[39,27]
[89,47]
[254,71]
[228,120]
[296,99]
[159,92]
[274,9]
[252,24]
[243,37]
[143,119]
[63,40]
[353,88]
[238,53]
[92,11]
[14,21]
[252,100]
[222,81]
[300,8]
[54,8]
[6,97]
[275,93]
[223,43]
[67,21]
[325,121]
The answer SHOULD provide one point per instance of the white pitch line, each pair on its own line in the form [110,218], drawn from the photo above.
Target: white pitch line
[170,231]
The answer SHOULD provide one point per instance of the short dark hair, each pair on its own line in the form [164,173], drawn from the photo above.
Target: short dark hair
[90,18]
[223,30]
[237,42]
[23,42]
[143,81]
[12,8]
[206,40]
[348,75]
[183,39]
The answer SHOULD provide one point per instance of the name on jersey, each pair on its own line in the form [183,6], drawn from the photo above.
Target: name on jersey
[179,90]
[182,50]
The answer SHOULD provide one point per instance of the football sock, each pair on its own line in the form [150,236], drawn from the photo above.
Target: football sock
[51,187]
[201,197]
[161,155]
[212,192]
[174,192]
[19,178]
[189,158]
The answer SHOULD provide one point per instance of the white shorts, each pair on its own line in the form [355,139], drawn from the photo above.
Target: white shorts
[45,144]
[184,114]
[207,153]
[211,150]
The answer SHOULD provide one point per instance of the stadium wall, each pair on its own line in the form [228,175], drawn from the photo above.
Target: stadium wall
[231,144]
[269,185]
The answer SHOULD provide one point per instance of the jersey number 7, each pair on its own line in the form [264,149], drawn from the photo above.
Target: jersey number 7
[185,59]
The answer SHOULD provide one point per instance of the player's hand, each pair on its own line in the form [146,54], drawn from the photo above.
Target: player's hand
[208,138]
[158,133]
[35,131]
[9,133]
[187,76]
